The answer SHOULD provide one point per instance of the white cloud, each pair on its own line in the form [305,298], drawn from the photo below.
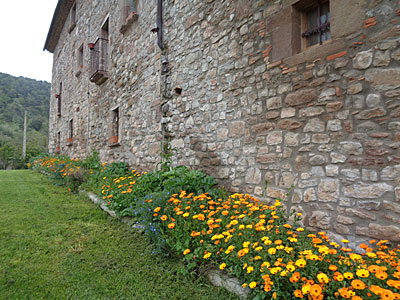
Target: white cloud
[24,26]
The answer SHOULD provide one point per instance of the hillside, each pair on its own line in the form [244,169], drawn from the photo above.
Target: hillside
[18,94]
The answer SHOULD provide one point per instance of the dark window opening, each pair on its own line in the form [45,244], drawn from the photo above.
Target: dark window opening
[59,101]
[114,138]
[178,91]
[316,24]
[58,142]
[70,132]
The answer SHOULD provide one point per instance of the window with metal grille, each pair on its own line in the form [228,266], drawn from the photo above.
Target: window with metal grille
[316,24]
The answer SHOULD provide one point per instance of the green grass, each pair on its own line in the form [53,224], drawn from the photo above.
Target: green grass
[56,245]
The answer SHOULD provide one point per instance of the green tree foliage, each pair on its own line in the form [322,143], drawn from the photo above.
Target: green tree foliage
[17,95]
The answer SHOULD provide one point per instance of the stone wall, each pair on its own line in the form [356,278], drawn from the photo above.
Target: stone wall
[323,123]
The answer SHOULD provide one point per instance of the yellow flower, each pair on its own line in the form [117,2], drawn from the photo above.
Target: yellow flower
[222,266]
[323,278]
[187,251]
[171,225]
[246,244]
[301,263]
[163,217]
[252,284]
[207,255]
[362,273]
[157,209]
[186,214]
[272,251]
[348,275]
[250,269]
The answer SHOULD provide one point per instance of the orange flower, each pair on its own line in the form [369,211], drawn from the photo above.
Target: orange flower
[381,275]
[298,294]
[333,268]
[163,218]
[157,209]
[315,290]
[187,251]
[294,278]
[358,284]
[171,225]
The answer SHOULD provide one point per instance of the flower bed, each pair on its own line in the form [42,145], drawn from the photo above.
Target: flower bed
[245,237]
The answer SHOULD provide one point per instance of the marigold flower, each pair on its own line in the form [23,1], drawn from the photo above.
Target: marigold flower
[187,251]
[298,294]
[157,209]
[250,269]
[358,284]
[348,275]
[301,263]
[362,273]
[315,290]
[222,266]
[163,218]
[171,225]
[252,284]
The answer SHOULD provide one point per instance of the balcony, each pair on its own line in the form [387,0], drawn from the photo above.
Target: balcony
[99,61]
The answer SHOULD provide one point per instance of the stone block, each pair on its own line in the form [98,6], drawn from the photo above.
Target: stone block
[289,124]
[314,125]
[311,111]
[371,113]
[237,129]
[382,58]
[262,128]
[391,173]
[363,59]
[369,205]
[300,97]
[331,170]
[253,176]
[351,148]
[287,179]
[367,191]
[334,125]
[391,233]
[310,195]
[274,138]
[360,213]
[347,17]
[320,138]
[354,88]
[266,158]
[373,100]
[344,220]
[291,139]
[328,190]
[288,112]
[274,103]
[317,160]
[319,219]
[383,79]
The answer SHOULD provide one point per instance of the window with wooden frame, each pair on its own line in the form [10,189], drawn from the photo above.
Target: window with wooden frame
[70,132]
[72,18]
[58,96]
[114,137]
[315,22]
[129,13]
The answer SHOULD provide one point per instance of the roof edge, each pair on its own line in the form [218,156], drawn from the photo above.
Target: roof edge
[57,23]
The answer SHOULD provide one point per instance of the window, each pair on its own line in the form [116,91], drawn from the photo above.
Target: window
[316,24]
[79,61]
[72,18]
[59,101]
[114,138]
[58,141]
[128,13]
[70,132]
[99,57]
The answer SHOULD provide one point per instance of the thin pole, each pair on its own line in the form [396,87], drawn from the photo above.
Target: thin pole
[24,141]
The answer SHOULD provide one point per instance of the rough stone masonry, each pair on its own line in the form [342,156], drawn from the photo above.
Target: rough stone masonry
[241,98]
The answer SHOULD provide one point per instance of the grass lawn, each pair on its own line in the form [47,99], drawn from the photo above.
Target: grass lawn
[56,245]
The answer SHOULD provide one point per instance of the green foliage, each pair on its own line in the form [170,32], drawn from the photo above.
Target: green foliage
[17,95]
[56,245]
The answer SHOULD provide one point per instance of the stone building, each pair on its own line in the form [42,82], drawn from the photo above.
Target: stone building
[266,95]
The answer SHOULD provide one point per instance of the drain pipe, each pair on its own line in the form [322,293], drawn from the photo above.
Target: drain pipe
[159,23]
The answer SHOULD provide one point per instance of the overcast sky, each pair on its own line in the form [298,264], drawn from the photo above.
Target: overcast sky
[24,25]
